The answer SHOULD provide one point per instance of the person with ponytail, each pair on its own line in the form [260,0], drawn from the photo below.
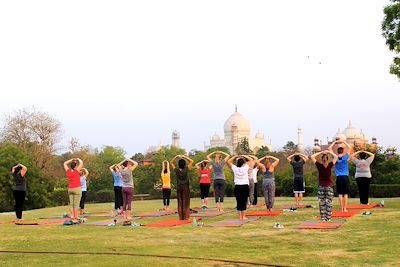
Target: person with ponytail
[19,190]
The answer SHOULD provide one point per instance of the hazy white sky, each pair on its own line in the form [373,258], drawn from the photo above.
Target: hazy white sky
[127,73]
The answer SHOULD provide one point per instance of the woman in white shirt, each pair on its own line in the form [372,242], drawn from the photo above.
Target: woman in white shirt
[363,173]
[241,180]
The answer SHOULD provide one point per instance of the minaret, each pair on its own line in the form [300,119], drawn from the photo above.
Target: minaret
[175,138]
[300,145]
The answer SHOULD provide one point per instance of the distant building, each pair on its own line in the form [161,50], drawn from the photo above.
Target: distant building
[353,136]
[175,139]
[236,128]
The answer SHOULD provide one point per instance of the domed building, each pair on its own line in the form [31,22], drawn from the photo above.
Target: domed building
[351,135]
[237,127]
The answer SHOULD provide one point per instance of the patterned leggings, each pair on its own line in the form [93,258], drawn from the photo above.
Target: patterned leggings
[269,192]
[325,196]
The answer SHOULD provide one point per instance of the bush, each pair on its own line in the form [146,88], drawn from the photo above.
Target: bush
[59,196]
[384,190]
[104,195]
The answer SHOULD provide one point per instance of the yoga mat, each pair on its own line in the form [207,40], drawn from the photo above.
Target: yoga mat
[156,213]
[340,214]
[232,222]
[168,223]
[106,222]
[264,213]
[207,214]
[58,221]
[321,225]
[359,206]
[7,222]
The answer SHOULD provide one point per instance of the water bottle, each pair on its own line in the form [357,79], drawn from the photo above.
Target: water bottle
[382,203]
[194,221]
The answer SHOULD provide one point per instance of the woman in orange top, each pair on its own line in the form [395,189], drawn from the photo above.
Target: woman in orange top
[166,184]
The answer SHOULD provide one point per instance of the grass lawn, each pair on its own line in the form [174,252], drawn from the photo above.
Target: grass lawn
[362,241]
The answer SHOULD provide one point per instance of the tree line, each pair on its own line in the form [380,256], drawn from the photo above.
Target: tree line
[30,137]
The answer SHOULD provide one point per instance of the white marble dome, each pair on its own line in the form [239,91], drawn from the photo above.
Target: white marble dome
[239,121]
[351,132]
[259,136]
[215,137]
[339,136]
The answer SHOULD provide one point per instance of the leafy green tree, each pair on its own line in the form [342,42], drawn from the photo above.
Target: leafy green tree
[391,32]
[290,147]
[243,147]
[138,157]
[263,151]
[38,186]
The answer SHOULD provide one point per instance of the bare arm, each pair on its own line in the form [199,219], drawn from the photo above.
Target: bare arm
[335,157]
[173,160]
[112,167]
[289,158]
[80,164]
[86,172]
[304,156]
[314,156]
[276,161]
[230,161]
[190,161]
[66,164]
[23,170]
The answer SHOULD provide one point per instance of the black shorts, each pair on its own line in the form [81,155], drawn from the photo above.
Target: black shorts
[298,185]
[204,190]
[342,185]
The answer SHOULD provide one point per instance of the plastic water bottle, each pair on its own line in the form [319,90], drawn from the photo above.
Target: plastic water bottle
[194,221]
[382,203]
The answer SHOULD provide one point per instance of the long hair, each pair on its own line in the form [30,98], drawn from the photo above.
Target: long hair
[17,170]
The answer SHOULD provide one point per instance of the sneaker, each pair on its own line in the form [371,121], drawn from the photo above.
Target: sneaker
[278,226]
[367,213]
[68,223]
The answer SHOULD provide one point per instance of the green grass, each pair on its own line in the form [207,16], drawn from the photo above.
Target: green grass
[361,241]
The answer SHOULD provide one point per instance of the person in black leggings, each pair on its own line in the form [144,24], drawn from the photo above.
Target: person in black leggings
[19,192]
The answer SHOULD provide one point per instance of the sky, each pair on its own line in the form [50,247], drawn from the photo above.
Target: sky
[128,73]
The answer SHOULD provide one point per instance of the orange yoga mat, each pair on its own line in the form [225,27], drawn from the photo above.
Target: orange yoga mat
[340,214]
[8,222]
[264,213]
[321,225]
[58,221]
[359,206]
[168,223]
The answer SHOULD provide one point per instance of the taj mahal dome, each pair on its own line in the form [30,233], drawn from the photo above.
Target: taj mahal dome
[236,128]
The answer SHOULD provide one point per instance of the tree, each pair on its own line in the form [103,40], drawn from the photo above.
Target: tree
[263,151]
[38,186]
[391,32]
[34,131]
[138,157]
[290,147]
[243,147]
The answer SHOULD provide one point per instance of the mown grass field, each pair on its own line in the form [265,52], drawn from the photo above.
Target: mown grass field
[362,241]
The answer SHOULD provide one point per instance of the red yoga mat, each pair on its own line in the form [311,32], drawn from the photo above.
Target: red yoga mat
[264,213]
[320,225]
[340,214]
[359,206]
[168,223]
[41,223]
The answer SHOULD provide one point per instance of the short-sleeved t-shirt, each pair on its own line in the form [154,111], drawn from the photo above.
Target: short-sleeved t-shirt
[127,178]
[241,174]
[117,179]
[205,176]
[324,174]
[74,178]
[182,176]
[83,184]
[218,169]
[19,182]
[253,174]
[342,166]
[363,167]
[298,168]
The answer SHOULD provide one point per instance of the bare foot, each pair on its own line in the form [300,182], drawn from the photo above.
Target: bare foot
[244,218]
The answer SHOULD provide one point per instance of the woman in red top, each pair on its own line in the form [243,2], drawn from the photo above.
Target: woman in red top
[72,168]
[205,182]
